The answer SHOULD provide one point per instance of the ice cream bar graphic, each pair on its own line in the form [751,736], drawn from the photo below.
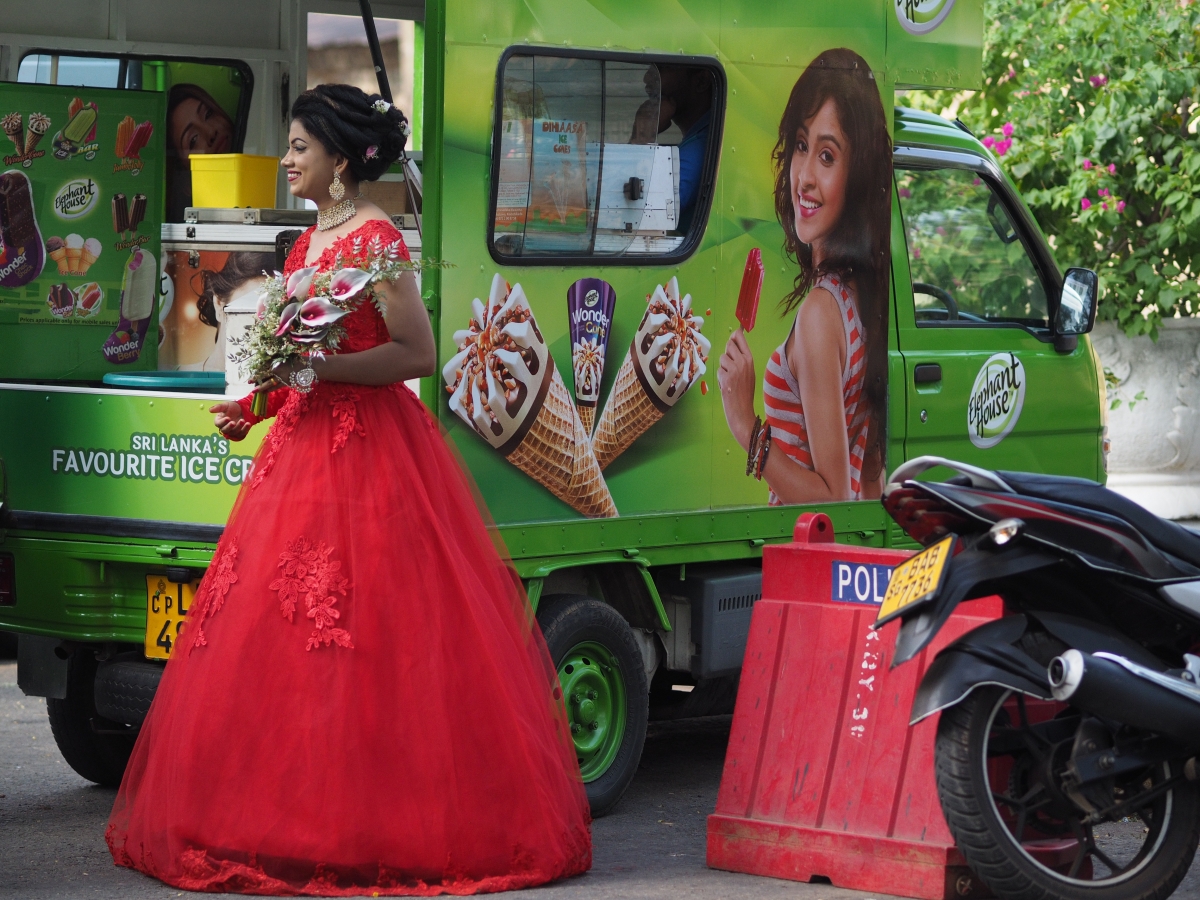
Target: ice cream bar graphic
[590,304]
[666,357]
[82,126]
[88,298]
[125,344]
[22,240]
[124,132]
[137,292]
[504,384]
[138,212]
[752,280]
[139,139]
[120,213]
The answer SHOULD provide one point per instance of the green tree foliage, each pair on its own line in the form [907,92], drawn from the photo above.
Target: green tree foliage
[1094,108]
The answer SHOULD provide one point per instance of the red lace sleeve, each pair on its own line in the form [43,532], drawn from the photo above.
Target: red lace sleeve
[275,401]
[299,252]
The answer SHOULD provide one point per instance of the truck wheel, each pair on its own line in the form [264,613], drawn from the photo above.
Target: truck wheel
[97,757]
[125,687]
[604,687]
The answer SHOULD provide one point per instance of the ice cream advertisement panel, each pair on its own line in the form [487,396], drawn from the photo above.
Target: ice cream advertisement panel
[80,202]
[753,372]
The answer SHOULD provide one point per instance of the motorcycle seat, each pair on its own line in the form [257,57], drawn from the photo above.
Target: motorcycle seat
[1164,534]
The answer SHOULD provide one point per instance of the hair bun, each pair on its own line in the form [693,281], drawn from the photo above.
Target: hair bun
[366,129]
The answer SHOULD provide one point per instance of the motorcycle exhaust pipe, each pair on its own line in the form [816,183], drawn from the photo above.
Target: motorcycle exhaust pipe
[1112,687]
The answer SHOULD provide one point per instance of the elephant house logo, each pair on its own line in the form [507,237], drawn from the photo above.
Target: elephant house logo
[996,400]
[922,16]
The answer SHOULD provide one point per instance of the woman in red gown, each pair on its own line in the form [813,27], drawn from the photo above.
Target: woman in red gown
[360,701]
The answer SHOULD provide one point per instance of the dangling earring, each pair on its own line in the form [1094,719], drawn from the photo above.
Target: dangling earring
[337,190]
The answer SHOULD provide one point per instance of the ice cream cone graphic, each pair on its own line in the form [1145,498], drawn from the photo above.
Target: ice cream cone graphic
[666,357]
[74,244]
[89,255]
[11,124]
[505,385]
[58,252]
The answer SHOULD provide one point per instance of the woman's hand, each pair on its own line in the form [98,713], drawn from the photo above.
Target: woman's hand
[229,420]
[735,376]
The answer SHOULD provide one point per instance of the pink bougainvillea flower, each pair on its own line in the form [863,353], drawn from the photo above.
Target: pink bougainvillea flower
[1103,192]
[1112,168]
[1007,130]
[1104,206]
[1120,206]
[317,312]
[347,283]
[287,318]
[1098,80]
[1085,203]
[299,283]
[989,141]
[1003,146]
[1087,163]
[905,193]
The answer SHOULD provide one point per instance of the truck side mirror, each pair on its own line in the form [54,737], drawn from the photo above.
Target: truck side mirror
[1076,307]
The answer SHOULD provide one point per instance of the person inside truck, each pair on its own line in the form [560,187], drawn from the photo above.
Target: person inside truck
[316,730]
[196,123]
[685,100]
[825,387]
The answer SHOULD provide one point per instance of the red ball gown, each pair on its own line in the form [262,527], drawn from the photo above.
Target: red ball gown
[360,701]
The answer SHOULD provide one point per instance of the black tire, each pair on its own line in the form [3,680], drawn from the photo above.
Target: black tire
[970,804]
[125,687]
[98,757]
[569,620]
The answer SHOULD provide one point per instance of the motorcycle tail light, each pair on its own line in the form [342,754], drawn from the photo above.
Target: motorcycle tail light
[8,580]
[924,518]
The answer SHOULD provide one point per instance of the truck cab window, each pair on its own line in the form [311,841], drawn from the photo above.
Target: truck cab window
[599,157]
[968,263]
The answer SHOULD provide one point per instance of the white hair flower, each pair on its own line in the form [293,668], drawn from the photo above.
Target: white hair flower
[381,106]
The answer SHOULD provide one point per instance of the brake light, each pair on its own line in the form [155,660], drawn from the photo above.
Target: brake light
[923,517]
[8,580]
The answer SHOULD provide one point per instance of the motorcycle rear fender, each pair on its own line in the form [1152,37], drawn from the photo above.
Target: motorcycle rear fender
[981,657]
[970,571]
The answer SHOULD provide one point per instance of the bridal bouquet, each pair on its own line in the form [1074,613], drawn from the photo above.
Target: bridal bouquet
[300,317]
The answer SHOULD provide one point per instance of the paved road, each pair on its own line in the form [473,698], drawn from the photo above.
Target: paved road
[652,846]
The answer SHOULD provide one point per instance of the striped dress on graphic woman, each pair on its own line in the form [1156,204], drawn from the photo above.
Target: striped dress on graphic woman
[781,393]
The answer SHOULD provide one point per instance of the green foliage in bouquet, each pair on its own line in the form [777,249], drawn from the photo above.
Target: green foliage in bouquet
[1093,109]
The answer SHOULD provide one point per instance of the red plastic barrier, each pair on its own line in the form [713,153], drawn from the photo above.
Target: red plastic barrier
[823,775]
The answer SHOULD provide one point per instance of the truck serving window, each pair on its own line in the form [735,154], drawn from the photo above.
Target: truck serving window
[969,265]
[208,102]
[603,156]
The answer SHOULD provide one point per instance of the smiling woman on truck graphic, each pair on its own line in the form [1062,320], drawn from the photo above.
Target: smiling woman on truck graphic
[825,387]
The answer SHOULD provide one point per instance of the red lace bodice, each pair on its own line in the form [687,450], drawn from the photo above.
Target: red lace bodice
[365,327]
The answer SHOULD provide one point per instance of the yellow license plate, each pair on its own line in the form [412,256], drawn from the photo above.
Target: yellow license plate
[167,604]
[916,578]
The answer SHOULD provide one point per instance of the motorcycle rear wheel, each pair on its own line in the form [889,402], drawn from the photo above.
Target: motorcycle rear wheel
[991,724]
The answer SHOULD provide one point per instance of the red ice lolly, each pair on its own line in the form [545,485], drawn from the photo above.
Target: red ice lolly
[752,279]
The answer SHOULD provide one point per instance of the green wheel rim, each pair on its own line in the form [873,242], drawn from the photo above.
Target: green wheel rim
[594,693]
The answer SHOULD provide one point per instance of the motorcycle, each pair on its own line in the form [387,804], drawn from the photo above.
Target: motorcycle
[1066,755]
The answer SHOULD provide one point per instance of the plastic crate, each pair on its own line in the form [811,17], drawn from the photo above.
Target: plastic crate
[228,180]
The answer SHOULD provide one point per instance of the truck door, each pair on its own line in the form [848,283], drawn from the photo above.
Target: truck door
[983,379]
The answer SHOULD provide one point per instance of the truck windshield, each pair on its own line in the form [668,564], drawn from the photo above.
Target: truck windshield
[968,263]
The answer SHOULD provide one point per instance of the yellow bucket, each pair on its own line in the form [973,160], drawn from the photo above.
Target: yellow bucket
[233,179]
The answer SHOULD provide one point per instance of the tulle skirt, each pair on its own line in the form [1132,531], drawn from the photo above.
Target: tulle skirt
[360,701]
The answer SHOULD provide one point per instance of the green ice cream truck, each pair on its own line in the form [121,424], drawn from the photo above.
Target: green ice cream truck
[702,274]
